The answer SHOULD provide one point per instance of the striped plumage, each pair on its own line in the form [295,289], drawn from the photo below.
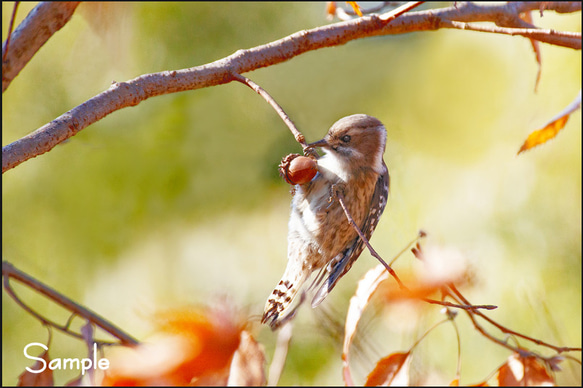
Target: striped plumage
[320,237]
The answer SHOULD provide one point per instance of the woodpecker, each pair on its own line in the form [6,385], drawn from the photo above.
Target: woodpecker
[320,238]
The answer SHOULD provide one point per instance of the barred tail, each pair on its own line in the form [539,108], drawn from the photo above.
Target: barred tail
[278,307]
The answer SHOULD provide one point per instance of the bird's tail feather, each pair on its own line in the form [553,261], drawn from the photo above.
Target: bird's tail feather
[278,308]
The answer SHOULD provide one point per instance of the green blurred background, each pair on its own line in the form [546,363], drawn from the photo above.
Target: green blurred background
[177,201]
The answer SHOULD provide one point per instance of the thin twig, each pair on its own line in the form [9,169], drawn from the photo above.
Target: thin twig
[340,197]
[10,28]
[395,13]
[558,349]
[574,38]
[9,271]
[468,307]
[483,331]
[267,97]
[419,236]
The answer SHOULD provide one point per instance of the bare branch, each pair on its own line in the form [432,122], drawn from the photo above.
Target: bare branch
[9,271]
[41,23]
[572,39]
[505,330]
[131,93]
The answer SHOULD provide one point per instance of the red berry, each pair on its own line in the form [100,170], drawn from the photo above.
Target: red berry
[297,169]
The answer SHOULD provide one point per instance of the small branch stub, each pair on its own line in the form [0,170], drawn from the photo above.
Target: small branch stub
[297,169]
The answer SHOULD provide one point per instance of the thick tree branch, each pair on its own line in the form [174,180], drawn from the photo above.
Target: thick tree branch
[41,23]
[131,93]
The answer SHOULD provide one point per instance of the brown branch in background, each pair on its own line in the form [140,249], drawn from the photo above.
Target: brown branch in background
[36,29]
[551,361]
[572,39]
[131,93]
[461,302]
[558,349]
[9,271]
[468,307]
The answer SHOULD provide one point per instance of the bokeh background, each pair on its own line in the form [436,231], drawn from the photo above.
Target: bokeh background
[177,201]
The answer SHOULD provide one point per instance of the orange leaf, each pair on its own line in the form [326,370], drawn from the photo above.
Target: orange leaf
[550,130]
[482,384]
[519,370]
[543,135]
[41,379]
[391,370]
[192,347]
[355,7]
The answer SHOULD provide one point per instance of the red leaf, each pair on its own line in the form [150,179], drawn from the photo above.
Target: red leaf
[391,370]
[519,370]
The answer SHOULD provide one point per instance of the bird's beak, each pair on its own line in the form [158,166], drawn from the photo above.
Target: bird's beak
[320,143]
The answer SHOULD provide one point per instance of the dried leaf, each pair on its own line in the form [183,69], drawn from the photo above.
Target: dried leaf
[41,379]
[519,370]
[248,365]
[392,370]
[366,287]
[355,7]
[550,130]
[554,363]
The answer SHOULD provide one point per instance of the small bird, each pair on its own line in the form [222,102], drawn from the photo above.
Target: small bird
[320,238]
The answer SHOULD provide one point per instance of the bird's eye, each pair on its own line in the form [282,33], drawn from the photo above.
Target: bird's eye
[345,138]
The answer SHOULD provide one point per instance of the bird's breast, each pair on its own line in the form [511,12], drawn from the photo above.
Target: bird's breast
[319,219]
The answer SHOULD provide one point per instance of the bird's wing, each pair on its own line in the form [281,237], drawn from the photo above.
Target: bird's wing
[344,260]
